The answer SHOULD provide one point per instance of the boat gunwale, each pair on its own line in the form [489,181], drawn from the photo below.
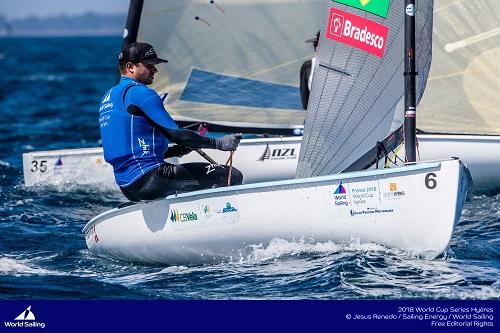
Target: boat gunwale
[453,136]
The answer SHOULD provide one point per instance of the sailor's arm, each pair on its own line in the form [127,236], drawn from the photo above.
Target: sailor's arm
[152,109]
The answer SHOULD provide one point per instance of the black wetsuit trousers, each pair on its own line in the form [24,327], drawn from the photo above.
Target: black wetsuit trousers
[170,178]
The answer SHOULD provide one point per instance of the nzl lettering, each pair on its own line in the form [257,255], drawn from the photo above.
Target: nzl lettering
[283,152]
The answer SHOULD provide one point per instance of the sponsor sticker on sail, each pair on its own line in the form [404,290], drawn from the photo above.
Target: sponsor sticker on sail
[358,32]
[377,7]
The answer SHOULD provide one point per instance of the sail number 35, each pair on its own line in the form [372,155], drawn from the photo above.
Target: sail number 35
[40,166]
[430,181]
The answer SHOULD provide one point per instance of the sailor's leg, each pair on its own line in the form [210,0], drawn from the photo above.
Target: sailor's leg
[169,179]
[204,175]
[155,184]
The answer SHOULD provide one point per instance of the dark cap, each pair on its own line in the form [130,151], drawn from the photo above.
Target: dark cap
[139,52]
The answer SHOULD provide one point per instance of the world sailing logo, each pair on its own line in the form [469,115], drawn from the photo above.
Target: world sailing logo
[340,189]
[26,315]
[340,196]
[106,104]
[58,165]
[356,31]
[25,319]
[107,97]
[377,7]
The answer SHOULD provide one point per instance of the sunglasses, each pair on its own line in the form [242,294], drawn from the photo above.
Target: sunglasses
[148,66]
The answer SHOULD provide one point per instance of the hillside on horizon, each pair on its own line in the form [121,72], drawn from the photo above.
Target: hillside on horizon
[87,24]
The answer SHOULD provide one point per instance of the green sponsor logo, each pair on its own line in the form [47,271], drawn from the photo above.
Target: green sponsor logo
[175,216]
[377,7]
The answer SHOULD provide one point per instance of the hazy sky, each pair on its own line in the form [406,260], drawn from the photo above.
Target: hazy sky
[22,8]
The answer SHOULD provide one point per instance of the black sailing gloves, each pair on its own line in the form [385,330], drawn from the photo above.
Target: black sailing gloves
[228,142]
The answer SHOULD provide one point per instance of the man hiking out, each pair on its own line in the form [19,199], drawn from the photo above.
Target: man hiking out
[136,131]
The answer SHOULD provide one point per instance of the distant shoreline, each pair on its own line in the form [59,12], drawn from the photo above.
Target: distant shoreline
[87,24]
[71,33]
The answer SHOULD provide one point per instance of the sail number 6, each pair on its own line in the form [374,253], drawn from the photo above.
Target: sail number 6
[430,181]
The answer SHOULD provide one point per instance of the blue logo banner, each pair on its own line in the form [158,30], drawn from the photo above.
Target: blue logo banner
[233,316]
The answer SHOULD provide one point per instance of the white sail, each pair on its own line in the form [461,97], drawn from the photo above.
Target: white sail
[462,94]
[356,91]
[234,60]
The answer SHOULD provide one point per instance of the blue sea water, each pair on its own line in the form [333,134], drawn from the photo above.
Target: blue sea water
[49,93]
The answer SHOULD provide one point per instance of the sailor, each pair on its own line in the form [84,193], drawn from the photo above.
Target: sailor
[136,130]
[306,73]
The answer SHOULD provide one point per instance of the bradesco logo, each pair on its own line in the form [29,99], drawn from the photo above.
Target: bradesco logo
[356,31]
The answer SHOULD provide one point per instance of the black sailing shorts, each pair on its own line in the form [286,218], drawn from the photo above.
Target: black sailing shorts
[170,178]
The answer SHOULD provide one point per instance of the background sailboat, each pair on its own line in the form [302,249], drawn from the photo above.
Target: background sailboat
[194,90]
[462,94]
[460,110]
[224,68]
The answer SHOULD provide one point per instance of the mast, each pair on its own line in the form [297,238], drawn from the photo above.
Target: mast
[410,82]
[132,26]
[133,20]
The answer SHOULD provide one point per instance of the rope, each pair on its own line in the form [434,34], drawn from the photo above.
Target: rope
[396,157]
[230,161]
[418,150]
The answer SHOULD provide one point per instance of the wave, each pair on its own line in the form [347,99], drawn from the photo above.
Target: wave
[16,267]
[473,249]
[279,248]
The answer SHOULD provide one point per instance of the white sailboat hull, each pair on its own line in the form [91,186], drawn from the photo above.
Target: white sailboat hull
[87,166]
[414,208]
[481,154]
[259,160]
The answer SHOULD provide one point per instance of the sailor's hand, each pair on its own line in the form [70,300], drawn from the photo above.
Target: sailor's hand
[228,142]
